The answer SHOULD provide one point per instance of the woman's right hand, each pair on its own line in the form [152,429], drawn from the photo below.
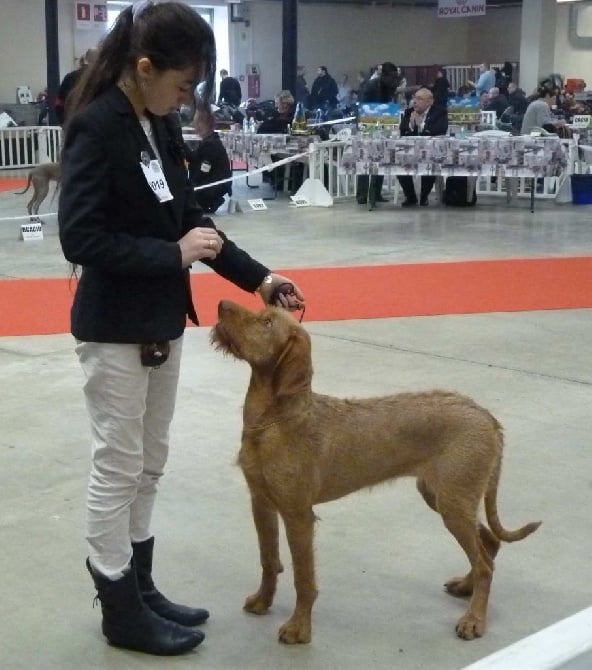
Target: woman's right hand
[199,243]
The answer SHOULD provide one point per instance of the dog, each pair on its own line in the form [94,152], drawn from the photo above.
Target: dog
[40,177]
[300,448]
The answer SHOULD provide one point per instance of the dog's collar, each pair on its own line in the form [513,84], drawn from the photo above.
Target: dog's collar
[271,424]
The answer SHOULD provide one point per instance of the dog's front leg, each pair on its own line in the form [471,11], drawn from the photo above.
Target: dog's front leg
[300,530]
[266,523]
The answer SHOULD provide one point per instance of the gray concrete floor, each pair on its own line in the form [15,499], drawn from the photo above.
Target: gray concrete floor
[382,556]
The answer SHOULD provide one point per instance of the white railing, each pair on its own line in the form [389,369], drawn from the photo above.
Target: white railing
[326,164]
[27,146]
[459,75]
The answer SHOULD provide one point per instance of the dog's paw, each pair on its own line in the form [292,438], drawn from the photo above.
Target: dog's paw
[294,632]
[256,604]
[470,626]
[460,587]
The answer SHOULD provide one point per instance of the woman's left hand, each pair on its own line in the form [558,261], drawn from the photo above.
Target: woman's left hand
[292,301]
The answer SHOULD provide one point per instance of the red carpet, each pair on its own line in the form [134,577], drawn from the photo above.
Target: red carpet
[41,306]
[10,184]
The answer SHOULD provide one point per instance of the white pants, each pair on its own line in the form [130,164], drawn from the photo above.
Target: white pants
[130,409]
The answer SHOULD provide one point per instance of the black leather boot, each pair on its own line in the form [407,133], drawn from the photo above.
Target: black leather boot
[129,623]
[186,616]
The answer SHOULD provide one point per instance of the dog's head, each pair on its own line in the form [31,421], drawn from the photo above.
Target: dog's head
[273,343]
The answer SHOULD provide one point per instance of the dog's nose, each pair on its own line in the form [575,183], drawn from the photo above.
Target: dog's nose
[224,306]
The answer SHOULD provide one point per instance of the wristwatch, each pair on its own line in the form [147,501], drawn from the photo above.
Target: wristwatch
[267,280]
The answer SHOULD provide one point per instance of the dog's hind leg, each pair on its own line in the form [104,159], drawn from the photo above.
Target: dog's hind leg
[459,516]
[461,586]
[266,523]
[300,532]
[40,191]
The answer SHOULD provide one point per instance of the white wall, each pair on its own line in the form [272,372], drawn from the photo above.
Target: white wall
[348,39]
[569,60]
[495,37]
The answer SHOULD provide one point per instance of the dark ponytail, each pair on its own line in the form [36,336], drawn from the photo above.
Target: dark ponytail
[171,34]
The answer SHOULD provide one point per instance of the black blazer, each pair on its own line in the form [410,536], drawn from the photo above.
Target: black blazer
[132,288]
[436,122]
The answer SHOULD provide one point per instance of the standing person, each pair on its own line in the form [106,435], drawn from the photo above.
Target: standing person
[423,118]
[382,89]
[208,162]
[441,88]
[230,90]
[128,216]
[301,93]
[486,80]
[69,82]
[323,93]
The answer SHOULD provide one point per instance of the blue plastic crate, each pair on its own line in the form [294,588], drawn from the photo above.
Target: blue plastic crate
[581,189]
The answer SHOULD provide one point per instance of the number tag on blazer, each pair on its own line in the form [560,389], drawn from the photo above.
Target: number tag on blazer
[156,180]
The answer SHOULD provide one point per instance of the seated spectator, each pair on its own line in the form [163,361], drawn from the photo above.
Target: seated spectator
[424,118]
[281,117]
[517,99]
[538,113]
[208,163]
[279,123]
[497,102]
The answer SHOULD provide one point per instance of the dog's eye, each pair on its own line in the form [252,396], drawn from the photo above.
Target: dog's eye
[268,323]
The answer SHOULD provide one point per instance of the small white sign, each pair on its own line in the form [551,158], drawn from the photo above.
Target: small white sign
[300,201]
[32,230]
[581,121]
[257,203]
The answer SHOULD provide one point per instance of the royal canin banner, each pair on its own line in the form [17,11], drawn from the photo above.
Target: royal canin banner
[459,9]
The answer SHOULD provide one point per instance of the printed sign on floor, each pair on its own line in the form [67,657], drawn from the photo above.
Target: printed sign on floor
[300,201]
[33,230]
[257,203]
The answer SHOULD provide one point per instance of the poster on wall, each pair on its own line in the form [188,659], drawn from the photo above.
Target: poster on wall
[100,15]
[83,15]
[460,9]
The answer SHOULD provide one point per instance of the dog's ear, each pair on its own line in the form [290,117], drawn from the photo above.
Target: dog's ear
[293,370]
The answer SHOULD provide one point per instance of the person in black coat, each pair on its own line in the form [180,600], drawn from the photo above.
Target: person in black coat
[68,83]
[441,88]
[128,217]
[423,118]
[323,93]
[230,90]
[497,102]
[380,89]
[208,163]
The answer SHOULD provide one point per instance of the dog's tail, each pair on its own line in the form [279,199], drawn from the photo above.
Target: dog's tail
[28,185]
[491,501]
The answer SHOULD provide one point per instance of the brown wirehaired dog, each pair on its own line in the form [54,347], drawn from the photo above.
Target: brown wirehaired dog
[300,448]
[40,177]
